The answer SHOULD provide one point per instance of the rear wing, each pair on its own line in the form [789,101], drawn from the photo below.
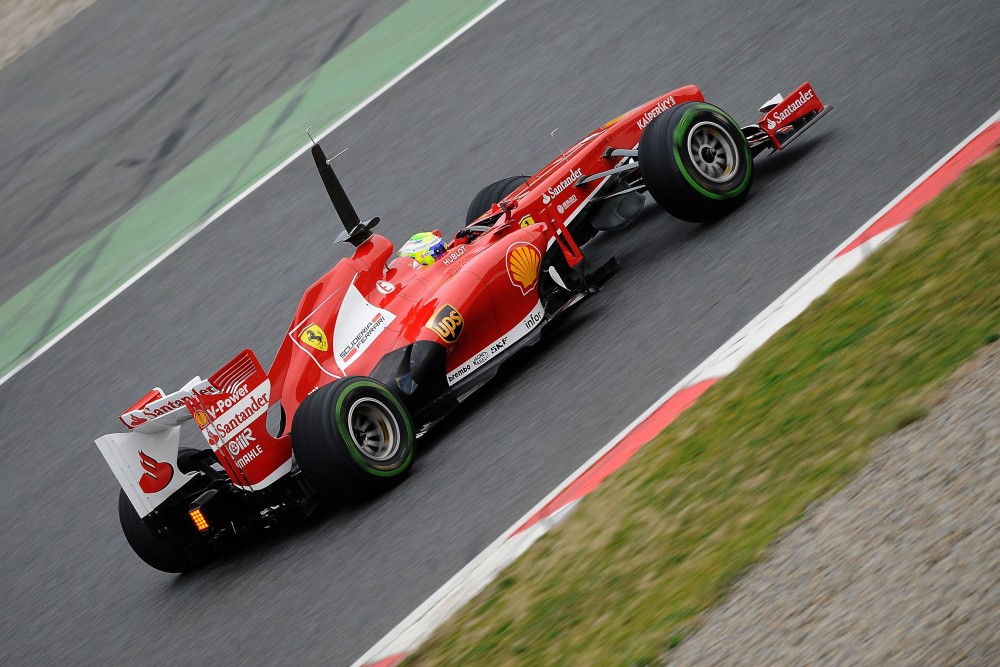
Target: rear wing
[156,410]
[229,409]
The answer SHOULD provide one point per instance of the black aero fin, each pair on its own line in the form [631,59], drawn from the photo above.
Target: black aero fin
[355,231]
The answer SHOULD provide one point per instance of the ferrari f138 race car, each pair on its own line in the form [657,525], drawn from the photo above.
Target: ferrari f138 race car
[382,346]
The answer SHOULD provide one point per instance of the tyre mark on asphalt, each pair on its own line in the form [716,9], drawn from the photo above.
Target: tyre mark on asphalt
[414,33]
[82,267]
[286,112]
[150,104]
[71,275]
[167,147]
[80,176]
[21,161]
[156,163]
[7,324]
[69,184]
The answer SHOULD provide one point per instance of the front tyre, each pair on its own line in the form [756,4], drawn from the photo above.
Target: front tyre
[491,194]
[695,162]
[352,438]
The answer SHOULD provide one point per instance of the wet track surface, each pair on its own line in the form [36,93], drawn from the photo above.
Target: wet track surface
[907,82]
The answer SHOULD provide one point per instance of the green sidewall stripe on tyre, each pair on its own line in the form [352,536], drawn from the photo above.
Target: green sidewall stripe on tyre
[348,437]
[679,132]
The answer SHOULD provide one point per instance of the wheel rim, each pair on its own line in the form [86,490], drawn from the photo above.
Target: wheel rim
[374,429]
[713,152]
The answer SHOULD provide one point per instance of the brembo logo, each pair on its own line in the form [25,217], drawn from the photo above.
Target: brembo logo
[777,117]
[555,190]
[655,111]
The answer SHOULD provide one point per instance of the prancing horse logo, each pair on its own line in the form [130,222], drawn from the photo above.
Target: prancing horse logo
[314,336]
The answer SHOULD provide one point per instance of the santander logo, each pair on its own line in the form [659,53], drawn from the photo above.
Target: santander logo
[554,191]
[156,476]
[777,116]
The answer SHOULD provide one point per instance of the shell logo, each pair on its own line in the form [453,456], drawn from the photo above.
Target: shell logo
[201,419]
[523,260]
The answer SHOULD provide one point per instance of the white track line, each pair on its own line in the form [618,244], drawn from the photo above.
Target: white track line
[413,630]
[243,195]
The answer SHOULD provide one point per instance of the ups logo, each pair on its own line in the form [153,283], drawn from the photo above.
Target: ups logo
[447,323]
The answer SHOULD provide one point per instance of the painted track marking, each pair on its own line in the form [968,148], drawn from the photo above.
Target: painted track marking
[412,631]
[13,313]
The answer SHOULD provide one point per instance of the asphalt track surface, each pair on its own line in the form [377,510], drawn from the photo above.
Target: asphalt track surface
[908,81]
[117,101]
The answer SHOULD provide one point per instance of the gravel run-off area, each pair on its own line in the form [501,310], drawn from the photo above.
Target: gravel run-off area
[902,567]
[24,23]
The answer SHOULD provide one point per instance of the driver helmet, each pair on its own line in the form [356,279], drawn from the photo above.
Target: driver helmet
[424,247]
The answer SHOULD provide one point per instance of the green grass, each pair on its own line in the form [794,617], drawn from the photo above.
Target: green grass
[628,575]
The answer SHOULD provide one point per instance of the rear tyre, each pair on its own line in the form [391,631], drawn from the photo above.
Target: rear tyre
[352,438]
[491,194]
[147,545]
[695,162]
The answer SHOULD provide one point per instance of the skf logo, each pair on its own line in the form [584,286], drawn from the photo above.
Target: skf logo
[447,323]
[314,336]
[523,260]
[526,221]
[157,474]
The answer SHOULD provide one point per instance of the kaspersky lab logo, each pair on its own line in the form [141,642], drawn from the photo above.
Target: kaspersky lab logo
[648,117]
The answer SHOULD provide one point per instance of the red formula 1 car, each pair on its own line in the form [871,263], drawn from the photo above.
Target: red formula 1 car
[382,346]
